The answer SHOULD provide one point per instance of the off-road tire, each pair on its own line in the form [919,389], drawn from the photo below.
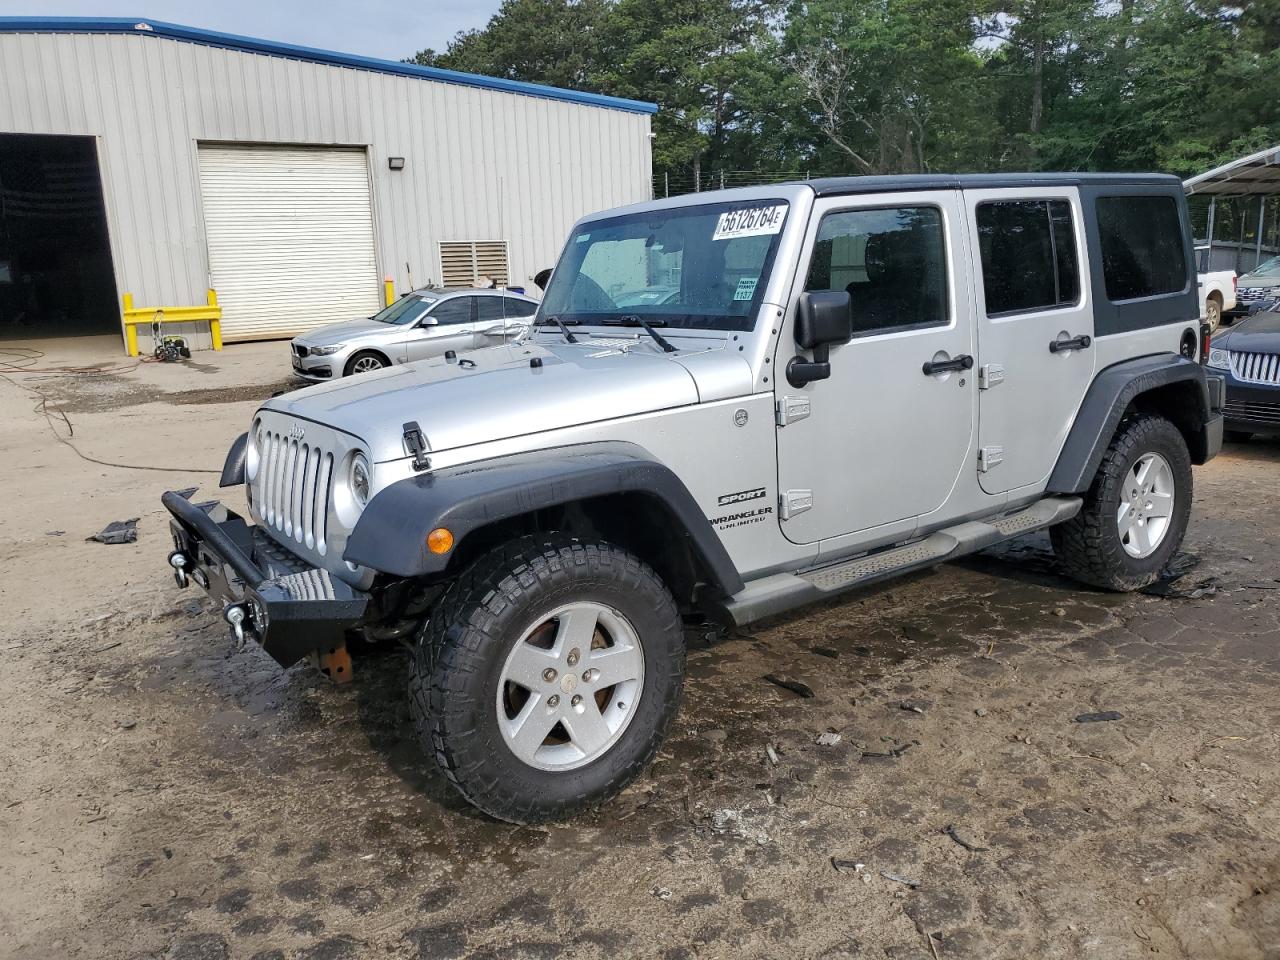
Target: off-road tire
[460,652]
[1088,546]
[350,368]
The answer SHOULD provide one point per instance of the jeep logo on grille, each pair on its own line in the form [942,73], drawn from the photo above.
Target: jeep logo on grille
[296,432]
[725,499]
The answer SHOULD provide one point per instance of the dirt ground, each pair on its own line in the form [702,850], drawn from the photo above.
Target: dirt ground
[164,796]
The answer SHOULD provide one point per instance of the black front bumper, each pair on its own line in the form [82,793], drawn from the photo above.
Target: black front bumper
[290,608]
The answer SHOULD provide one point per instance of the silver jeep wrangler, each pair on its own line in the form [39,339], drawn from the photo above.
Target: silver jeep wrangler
[842,380]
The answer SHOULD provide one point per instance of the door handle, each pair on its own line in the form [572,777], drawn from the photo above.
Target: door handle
[1081,342]
[962,362]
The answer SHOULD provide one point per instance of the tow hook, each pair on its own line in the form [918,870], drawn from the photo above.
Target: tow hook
[237,615]
[178,560]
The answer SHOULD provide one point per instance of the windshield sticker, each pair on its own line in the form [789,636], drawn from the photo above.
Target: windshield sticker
[751,222]
[746,288]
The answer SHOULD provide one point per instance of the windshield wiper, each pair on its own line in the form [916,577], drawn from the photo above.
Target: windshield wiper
[568,335]
[632,320]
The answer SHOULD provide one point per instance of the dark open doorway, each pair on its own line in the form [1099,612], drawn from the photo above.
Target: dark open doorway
[56,277]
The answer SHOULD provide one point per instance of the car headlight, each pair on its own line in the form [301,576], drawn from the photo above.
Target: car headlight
[1219,358]
[327,351]
[361,480]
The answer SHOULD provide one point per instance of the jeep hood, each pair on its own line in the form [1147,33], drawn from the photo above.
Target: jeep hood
[498,392]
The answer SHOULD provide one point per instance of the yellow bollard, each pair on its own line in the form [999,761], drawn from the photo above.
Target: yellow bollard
[215,324]
[130,332]
[388,290]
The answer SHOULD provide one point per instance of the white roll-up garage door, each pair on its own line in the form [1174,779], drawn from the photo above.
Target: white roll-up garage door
[290,236]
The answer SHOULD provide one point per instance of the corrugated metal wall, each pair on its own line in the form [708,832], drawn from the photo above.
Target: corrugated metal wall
[479,164]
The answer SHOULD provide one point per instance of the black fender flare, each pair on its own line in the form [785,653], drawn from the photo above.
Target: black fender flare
[390,536]
[233,468]
[1105,403]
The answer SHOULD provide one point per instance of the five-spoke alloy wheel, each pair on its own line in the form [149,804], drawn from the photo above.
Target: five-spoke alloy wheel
[1135,513]
[547,676]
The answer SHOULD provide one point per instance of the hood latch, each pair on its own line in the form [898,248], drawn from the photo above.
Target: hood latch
[417,445]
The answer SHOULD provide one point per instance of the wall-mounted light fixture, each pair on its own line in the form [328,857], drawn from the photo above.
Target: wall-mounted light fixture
[395,163]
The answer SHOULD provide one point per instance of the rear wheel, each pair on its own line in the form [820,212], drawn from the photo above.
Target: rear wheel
[1213,313]
[366,361]
[547,676]
[1136,511]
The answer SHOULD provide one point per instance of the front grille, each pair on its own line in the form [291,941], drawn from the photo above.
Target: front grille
[291,490]
[1241,410]
[1256,367]
[1253,294]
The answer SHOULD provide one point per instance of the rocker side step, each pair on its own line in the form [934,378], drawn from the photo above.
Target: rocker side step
[780,592]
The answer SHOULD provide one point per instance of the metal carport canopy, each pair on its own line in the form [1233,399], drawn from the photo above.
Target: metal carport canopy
[1257,175]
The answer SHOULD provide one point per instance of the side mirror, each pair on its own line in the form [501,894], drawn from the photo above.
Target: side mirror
[427,322]
[823,318]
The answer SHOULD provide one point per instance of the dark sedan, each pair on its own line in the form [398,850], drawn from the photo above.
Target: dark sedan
[1249,355]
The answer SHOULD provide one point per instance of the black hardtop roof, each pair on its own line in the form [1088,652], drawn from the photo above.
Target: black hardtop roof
[837,186]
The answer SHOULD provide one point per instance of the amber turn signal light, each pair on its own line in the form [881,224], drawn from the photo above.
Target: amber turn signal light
[439,540]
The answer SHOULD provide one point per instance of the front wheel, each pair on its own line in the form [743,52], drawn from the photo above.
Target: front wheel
[366,361]
[546,678]
[1136,511]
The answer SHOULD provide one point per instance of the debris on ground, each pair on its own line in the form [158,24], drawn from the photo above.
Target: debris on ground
[826,652]
[795,686]
[54,533]
[662,893]
[1102,717]
[828,739]
[980,712]
[771,753]
[951,832]
[117,531]
[1059,611]
[1170,585]
[735,823]
[843,866]
[890,754]
[898,878]
[913,706]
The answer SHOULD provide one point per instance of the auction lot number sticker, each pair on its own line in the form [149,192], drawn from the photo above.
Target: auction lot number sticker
[750,222]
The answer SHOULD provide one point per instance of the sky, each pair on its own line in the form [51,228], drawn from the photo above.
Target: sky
[371,28]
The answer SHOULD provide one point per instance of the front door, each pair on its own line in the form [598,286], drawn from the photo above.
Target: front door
[449,326]
[1035,331]
[884,440]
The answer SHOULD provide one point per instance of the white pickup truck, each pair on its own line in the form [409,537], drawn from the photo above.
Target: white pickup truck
[1217,291]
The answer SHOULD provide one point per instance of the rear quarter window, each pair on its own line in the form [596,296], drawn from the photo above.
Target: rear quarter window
[1142,247]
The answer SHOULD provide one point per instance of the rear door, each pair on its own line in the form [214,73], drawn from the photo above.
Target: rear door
[1035,329]
[882,441]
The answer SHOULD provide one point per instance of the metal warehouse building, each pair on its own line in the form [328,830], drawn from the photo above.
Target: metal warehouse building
[272,187]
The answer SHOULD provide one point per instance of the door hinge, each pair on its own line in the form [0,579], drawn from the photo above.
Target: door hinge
[989,457]
[989,375]
[794,502]
[791,409]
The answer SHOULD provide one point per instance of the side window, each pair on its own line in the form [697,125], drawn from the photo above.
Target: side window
[489,309]
[1141,242]
[1028,250]
[455,310]
[891,261]
[520,308]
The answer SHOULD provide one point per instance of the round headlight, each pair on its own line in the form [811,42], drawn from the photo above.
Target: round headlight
[361,480]
[1219,358]
[253,454]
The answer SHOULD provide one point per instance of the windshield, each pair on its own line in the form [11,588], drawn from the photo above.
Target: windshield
[701,267]
[405,310]
[1267,268]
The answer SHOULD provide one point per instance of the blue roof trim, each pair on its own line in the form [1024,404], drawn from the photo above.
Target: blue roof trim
[230,41]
